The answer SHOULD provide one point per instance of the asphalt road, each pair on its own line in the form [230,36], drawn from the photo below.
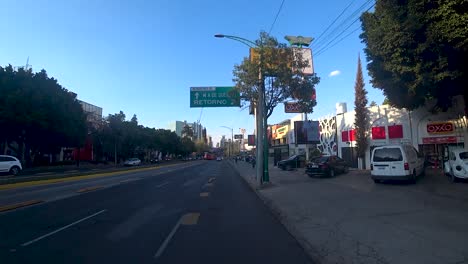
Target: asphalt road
[200,212]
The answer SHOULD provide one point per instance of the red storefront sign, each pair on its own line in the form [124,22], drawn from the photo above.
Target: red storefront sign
[440,128]
[348,135]
[439,140]
[378,133]
[395,131]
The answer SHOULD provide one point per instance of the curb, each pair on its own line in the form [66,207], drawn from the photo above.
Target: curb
[283,219]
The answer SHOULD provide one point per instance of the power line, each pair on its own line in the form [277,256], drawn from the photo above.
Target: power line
[319,44]
[276,17]
[347,35]
[327,46]
[338,17]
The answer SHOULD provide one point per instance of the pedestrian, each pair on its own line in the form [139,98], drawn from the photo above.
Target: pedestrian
[235,159]
[253,162]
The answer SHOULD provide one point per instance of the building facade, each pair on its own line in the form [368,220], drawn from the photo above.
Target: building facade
[431,133]
[199,132]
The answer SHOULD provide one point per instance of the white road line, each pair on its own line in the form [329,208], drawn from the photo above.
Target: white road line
[62,228]
[162,184]
[168,239]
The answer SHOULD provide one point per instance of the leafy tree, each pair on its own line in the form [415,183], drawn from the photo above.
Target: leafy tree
[372,104]
[187,131]
[41,115]
[282,75]
[417,50]
[201,146]
[361,113]
[277,72]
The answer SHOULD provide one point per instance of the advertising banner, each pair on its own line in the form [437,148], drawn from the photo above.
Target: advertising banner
[307,132]
[251,140]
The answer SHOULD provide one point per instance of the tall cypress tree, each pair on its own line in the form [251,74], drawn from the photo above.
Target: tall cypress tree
[361,117]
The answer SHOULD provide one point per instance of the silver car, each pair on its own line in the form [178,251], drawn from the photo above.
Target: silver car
[132,162]
[10,164]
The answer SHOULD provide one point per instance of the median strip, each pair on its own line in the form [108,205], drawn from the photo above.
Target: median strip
[76,178]
[18,205]
[88,189]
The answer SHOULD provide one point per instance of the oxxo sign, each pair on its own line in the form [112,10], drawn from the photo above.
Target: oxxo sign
[440,128]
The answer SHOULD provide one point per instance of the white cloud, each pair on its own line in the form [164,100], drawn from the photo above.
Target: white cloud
[334,73]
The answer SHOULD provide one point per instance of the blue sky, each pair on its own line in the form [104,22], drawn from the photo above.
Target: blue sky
[141,57]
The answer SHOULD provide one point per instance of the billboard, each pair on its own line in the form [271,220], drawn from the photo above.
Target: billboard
[269,52]
[307,56]
[307,132]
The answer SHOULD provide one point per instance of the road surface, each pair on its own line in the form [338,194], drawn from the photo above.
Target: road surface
[197,212]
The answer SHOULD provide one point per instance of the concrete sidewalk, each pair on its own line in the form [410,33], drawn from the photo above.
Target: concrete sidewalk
[349,219]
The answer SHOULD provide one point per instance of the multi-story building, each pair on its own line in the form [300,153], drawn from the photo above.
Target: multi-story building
[93,113]
[210,141]
[178,126]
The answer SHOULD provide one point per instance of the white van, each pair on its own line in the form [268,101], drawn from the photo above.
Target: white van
[396,162]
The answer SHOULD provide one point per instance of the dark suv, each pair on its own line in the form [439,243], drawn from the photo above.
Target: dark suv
[327,166]
[292,162]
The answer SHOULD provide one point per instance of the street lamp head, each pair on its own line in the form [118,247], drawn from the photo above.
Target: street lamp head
[219,36]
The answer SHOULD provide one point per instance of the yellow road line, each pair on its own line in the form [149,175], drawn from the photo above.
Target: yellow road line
[204,194]
[75,178]
[88,189]
[190,219]
[18,205]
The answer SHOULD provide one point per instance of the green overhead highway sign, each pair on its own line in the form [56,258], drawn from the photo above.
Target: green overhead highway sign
[213,97]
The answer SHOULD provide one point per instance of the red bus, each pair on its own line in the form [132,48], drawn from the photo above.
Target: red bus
[209,156]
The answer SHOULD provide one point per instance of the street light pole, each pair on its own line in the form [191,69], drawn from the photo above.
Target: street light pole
[261,164]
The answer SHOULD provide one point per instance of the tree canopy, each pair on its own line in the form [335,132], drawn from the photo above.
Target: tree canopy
[37,112]
[129,139]
[282,72]
[417,49]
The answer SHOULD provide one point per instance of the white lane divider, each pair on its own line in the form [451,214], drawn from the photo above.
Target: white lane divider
[168,238]
[62,228]
[187,219]
[162,184]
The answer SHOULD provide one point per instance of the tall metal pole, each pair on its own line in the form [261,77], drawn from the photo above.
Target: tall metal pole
[232,140]
[260,111]
[260,134]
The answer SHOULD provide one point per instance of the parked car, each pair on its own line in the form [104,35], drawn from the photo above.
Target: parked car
[154,161]
[219,158]
[327,166]
[132,162]
[396,162]
[457,164]
[292,162]
[10,164]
